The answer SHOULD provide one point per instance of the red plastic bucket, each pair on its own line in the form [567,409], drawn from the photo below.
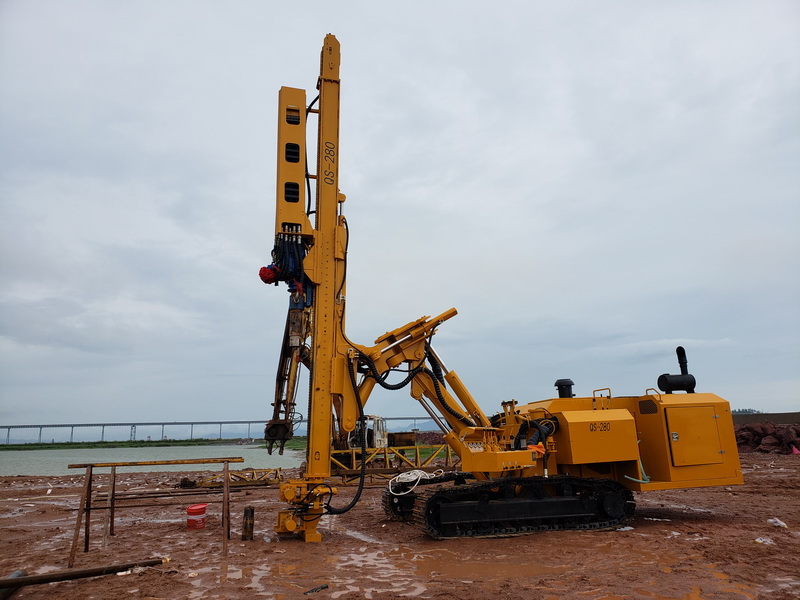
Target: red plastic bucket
[196,516]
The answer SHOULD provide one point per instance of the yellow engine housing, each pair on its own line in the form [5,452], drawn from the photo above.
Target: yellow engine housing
[651,442]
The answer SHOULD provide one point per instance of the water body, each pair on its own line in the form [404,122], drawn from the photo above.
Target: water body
[55,462]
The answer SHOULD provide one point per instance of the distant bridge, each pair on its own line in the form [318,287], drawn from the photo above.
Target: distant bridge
[163,425]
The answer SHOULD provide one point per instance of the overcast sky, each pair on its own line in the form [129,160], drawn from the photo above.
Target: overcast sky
[589,184]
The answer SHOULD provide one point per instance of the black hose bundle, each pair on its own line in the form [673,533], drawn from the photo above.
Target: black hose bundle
[435,373]
[543,428]
[381,379]
[287,256]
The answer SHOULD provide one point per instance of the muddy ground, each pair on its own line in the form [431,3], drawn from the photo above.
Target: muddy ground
[711,543]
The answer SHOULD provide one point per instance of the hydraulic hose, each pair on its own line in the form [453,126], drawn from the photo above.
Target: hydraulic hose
[544,427]
[461,418]
[288,255]
[309,212]
[332,510]
[381,379]
[435,373]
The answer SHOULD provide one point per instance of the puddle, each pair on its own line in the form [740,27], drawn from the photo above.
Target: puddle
[396,570]
[402,571]
[46,569]
[786,584]
[363,537]
[386,572]
[437,563]
[259,580]
[741,591]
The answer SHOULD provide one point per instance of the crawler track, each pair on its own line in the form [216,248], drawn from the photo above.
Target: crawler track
[400,505]
[514,506]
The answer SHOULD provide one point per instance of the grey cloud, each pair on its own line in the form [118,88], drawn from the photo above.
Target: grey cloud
[586,186]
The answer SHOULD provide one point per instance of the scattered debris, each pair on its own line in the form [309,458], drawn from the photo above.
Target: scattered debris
[777,522]
[8,592]
[763,540]
[319,588]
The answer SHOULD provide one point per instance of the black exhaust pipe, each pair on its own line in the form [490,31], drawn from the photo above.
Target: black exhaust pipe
[678,383]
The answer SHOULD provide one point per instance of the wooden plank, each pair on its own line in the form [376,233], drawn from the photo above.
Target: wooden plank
[147,463]
[87,485]
[226,511]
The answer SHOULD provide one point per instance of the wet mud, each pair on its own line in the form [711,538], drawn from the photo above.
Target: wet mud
[728,543]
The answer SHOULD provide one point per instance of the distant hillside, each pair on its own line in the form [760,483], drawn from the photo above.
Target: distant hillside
[419,425]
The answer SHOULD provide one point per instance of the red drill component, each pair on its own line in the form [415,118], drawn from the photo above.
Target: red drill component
[268,274]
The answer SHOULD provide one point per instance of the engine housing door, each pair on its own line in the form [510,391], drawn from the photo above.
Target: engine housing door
[694,436]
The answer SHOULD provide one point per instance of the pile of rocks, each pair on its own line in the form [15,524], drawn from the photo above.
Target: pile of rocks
[430,438]
[768,437]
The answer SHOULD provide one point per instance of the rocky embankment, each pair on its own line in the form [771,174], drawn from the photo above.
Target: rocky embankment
[769,438]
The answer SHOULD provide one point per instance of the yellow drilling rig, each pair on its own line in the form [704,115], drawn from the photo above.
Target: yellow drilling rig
[562,463]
